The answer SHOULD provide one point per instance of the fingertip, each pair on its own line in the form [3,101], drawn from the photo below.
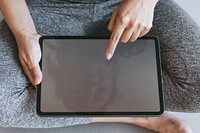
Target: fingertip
[108,56]
[37,81]
[123,41]
[141,35]
[132,40]
[37,77]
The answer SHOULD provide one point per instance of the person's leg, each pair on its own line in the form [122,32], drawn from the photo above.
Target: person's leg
[25,98]
[98,26]
[18,97]
[180,45]
[163,124]
[179,37]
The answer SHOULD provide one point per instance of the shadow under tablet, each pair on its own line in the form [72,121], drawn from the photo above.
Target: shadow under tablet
[78,78]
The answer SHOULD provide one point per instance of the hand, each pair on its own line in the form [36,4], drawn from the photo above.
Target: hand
[30,55]
[130,20]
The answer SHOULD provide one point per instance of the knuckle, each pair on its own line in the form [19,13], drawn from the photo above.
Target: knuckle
[131,24]
[114,37]
[143,25]
[33,70]
[136,23]
[112,47]
[146,28]
[124,19]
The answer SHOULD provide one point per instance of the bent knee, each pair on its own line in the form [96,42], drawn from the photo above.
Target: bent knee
[15,102]
[181,81]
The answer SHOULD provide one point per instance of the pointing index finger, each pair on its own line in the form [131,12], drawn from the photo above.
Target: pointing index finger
[114,39]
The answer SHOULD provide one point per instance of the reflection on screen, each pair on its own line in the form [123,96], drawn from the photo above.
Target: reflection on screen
[78,78]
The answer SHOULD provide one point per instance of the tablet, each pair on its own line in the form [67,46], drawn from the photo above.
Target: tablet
[79,81]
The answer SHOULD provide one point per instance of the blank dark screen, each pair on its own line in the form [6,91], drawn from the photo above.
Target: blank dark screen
[78,78]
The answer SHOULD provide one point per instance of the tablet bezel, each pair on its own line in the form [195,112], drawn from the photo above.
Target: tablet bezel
[158,62]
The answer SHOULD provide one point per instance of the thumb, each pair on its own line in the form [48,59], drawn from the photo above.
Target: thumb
[35,72]
[32,71]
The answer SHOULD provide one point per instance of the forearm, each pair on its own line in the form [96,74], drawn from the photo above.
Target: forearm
[152,3]
[17,16]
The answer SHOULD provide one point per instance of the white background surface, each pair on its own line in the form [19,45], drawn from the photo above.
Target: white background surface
[192,7]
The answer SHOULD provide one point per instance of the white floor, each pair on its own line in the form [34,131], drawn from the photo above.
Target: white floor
[193,118]
[192,7]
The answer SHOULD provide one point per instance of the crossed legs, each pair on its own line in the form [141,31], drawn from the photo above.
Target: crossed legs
[165,123]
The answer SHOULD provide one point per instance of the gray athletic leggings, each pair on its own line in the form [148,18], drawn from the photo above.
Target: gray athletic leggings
[180,49]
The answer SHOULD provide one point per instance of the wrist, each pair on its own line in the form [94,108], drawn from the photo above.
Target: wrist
[24,33]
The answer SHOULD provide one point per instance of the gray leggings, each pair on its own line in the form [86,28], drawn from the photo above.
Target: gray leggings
[180,46]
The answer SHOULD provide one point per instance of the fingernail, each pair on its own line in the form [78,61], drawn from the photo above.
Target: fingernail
[36,82]
[109,56]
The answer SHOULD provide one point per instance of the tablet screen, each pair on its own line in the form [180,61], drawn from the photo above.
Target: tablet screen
[77,78]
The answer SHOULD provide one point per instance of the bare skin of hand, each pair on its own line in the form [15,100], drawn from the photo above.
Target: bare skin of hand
[163,124]
[30,55]
[130,20]
[19,20]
